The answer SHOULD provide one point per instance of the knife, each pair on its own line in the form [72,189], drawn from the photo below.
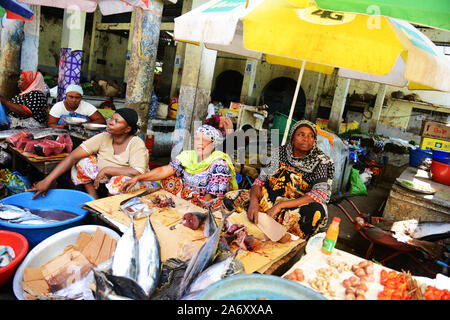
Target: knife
[144,193]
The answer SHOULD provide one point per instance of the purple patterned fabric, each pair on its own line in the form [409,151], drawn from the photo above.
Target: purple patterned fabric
[69,69]
[215,180]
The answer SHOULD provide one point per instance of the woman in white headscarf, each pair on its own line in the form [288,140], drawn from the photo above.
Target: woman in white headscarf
[201,176]
[28,109]
[73,106]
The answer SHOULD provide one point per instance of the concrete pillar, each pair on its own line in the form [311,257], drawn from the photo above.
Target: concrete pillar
[167,71]
[30,46]
[70,60]
[142,61]
[195,93]
[377,108]
[179,57]
[12,35]
[130,44]
[247,93]
[337,108]
[94,40]
[312,98]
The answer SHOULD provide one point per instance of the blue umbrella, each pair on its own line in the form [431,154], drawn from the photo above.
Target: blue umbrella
[16,10]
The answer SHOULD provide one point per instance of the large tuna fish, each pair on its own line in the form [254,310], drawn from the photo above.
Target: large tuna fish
[125,259]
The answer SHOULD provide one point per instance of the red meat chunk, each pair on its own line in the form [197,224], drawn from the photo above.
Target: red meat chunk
[48,147]
[67,141]
[14,139]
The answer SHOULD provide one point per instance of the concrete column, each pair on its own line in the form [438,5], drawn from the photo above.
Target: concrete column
[167,71]
[377,108]
[30,46]
[94,40]
[312,101]
[142,61]
[179,57]
[12,35]
[337,108]
[70,60]
[247,94]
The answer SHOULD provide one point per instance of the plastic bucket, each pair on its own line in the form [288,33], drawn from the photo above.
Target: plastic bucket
[279,122]
[441,156]
[20,246]
[416,156]
[60,199]
[238,178]
[440,172]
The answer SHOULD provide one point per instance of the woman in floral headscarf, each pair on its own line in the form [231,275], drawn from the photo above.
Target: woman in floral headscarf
[201,176]
[29,108]
[294,188]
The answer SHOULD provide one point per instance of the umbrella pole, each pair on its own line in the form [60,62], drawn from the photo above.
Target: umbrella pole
[294,101]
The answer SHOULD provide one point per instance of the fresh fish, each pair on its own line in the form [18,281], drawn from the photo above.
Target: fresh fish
[54,214]
[421,229]
[134,207]
[6,255]
[217,271]
[104,289]
[210,224]
[40,133]
[8,133]
[126,255]
[201,260]
[149,268]
[17,214]
[126,287]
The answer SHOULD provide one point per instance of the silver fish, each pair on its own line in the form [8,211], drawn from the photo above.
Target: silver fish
[8,133]
[104,289]
[40,133]
[134,207]
[7,255]
[216,272]
[16,214]
[422,229]
[125,259]
[210,224]
[149,268]
[201,260]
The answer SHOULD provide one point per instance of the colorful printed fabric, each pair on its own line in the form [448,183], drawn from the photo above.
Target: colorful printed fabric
[86,170]
[71,114]
[176,186]
[153,106]
[36,102]
[69,69]
[285,184]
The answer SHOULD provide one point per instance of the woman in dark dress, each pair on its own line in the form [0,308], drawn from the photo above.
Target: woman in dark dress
[28,109]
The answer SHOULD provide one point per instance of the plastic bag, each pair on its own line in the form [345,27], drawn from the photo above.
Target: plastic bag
[4,120]
[18,183]
[358,186]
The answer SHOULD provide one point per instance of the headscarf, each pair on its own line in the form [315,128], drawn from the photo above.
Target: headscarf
[212,133]
[308,162]
[34,80]
[74,88]
[131,117]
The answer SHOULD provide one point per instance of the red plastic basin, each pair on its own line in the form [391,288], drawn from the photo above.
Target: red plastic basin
[440,172]
[20,246]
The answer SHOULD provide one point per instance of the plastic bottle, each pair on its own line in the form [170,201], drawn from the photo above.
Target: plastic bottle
[331,236]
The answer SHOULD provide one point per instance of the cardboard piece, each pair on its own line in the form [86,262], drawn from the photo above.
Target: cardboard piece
[438,130]
[272,229]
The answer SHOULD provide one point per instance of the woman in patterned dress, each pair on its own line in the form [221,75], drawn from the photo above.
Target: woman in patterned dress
[294,188]
[201,176]
[28,109]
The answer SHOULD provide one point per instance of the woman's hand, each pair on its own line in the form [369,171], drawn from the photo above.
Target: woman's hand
[272,212]
[41,188]
[128,185]
[253,210]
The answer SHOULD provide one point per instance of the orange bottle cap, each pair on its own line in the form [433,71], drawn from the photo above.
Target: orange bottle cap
[337,219]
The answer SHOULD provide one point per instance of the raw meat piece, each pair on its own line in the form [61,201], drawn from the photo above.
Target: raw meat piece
[48,147]
[67,141]
[15,138]
[29,147]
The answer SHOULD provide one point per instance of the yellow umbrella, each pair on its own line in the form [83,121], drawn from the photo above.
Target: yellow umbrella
[388,50]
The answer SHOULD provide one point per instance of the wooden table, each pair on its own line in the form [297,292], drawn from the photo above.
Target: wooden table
[43,164]
[270,258]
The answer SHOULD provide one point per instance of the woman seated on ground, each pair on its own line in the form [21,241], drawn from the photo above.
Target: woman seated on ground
[110,157]
[28,109]
[73,106]
[201,176]
[294,188]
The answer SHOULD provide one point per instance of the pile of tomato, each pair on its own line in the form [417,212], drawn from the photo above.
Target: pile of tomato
[433,293]
[395,286]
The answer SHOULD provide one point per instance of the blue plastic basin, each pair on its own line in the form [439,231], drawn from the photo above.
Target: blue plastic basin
[61,199]
[441,156]
[416,156]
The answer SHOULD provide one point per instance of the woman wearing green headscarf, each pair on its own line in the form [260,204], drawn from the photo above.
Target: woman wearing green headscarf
[201,176]
[294,188]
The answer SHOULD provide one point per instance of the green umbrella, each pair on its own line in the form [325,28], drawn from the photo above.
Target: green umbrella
[432,13]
